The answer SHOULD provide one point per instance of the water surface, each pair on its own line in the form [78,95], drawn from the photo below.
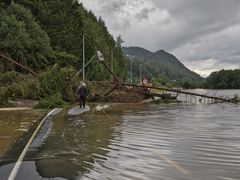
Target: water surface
[167,141]
[13,125]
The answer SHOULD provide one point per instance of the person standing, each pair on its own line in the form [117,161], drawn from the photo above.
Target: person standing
[82,92]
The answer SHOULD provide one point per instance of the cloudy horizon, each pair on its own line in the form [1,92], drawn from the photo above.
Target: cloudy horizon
[203,35]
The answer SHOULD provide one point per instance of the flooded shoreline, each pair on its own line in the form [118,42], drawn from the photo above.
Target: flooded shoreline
[138,141]
[15,128]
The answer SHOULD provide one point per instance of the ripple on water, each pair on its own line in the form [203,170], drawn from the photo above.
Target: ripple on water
[156,142]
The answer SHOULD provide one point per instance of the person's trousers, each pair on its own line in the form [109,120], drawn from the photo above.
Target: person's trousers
[82,101]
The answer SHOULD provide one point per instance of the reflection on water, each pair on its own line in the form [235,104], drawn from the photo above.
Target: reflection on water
[174,141]
[75,145]
[13,125]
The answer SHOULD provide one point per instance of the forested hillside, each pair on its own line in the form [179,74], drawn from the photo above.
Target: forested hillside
[47,37]
[160,66]
[41,33]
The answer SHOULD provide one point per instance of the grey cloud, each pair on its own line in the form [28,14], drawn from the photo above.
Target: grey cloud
[144,13]
[201,12]
[193,30]
[112,6]
[197,17]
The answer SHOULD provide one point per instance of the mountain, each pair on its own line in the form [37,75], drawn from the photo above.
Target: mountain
[159,65]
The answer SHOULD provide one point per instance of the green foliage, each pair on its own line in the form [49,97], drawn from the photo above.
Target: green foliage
[13,36]
[3,96]
[64,59]
[23,39]
[54,101]
[39,34]
[16,89]
[224,79]
[8,77]
[66,21]
[17,85]
[26,87]
[4,4]
[55,81]
[60,81]
[187,85]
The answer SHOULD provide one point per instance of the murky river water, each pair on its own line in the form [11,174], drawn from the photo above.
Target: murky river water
[174,141]
[13,124]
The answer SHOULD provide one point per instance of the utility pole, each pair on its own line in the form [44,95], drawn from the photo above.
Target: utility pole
[83,57]
[112,64]
[131,73]
[140,73]
[101,59]
[86,65]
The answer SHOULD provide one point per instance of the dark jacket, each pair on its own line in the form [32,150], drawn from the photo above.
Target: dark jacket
[82,91]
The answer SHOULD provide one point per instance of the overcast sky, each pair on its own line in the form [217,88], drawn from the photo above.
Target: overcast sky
[203,34]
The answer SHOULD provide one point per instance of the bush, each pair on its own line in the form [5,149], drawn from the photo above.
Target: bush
[62,81]
[27,87]
[55,80]
[64,59]
[16,89]
[32,89]
[3,96]
[188,85]
[8,77]
[54,101]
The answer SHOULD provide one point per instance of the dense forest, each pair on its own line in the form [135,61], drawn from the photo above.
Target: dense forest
[47,37]
[224,79]
[41,33]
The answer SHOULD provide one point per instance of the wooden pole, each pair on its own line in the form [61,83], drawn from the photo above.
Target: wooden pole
[181,92]
[83,57]
[112,64]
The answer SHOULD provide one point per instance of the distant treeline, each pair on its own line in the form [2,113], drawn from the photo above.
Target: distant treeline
[224,79]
